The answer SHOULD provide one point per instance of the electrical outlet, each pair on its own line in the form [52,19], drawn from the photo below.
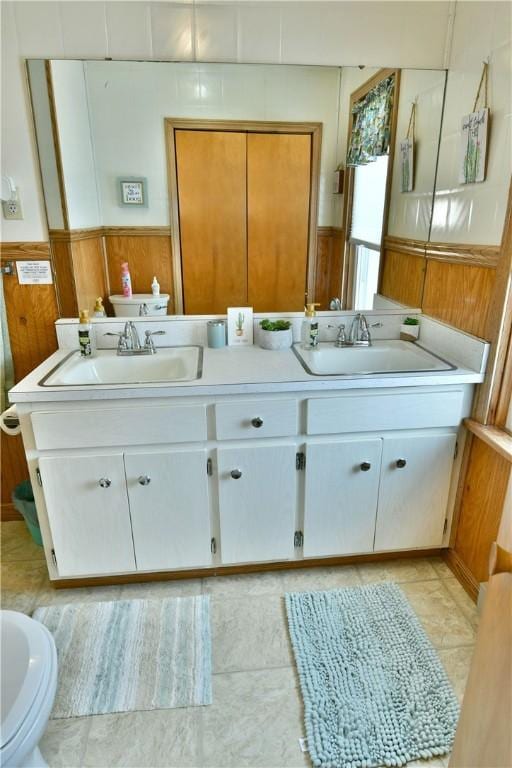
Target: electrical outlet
[12,209]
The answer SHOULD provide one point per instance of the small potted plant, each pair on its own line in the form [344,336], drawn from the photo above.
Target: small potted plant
[275,334]
[410,329]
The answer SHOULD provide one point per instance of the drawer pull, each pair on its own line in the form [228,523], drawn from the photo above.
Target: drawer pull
[144,480]
[365,466]
[257,422]
[400,463]
[236,474]
[105,482]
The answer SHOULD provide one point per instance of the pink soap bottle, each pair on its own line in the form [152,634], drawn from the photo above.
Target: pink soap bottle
[126,280]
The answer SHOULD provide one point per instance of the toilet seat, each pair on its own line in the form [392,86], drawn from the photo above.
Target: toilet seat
[29,681]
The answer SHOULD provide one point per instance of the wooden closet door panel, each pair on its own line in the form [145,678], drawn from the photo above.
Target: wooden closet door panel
[211,170]
[278,193]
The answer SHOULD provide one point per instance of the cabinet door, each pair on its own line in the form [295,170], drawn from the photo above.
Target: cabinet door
[342,485]
[168,495]
[414,489]
[88,511]
[212,178]
[257,497]
[278,195]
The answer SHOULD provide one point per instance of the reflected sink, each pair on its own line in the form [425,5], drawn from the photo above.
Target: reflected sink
[106,367]
[381,357]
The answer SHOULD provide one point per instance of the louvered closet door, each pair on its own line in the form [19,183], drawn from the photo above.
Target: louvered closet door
[211,170]
[278,194]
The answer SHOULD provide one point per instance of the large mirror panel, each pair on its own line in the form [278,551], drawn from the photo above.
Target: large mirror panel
[220,180]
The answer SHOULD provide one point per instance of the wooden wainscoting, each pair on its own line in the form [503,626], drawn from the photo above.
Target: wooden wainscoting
[403,271]
[453,283]
[459,294]
[31,314]
[148,252]
[329,266]
[81,275]
[481,507]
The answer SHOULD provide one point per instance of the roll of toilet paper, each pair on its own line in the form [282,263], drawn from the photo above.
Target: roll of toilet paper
[9,421]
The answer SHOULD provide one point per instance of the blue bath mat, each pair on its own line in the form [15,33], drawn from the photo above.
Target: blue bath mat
[127,655]
[375,692]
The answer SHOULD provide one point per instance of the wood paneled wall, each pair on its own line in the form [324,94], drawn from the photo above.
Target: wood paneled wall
[454,283]
[147,252]
[31,314]
[403,276]
[329,265]
[79,259]
[483,497]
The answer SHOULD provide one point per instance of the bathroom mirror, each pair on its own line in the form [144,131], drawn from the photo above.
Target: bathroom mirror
[244,196]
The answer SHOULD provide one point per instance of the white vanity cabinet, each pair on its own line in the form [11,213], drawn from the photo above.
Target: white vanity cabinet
[88,512]
[169,507]
[340,506]
[415,482]
[213,481]
[257,502]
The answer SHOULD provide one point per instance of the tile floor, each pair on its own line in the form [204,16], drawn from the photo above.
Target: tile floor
[256,715]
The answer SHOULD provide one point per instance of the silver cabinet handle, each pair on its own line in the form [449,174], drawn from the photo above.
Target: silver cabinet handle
[236,474]
[144,480]
[400,463]
[365,466]
[257,422]
[105,482]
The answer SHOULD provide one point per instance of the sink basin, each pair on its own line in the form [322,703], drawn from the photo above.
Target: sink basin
[106,367]
[381,357]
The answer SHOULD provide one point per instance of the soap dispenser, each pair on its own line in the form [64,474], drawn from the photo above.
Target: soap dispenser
[309,329]
[84,333]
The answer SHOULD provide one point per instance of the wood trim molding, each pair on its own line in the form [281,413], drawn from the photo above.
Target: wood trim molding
[461,572]
[496,438]
[137,231]
[249,126]
[478,255]
[456,253]
[405,245]
[73,235]
[56,143]
[27,251]
[198,573]
[329,231]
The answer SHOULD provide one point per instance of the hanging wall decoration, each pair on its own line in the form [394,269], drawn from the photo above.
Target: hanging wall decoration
[407,155]
[474,134]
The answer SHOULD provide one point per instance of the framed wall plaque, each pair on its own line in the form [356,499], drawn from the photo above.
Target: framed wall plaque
[133,191]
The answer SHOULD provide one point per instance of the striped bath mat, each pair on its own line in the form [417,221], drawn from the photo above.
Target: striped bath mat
[130,655]
[374,690]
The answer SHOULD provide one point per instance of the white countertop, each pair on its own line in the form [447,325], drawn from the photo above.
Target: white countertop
[233,370]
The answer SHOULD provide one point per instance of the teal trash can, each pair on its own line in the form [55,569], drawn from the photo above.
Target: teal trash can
[23,500]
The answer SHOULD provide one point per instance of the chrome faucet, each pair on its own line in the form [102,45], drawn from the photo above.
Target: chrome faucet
[359,335]
[129,341]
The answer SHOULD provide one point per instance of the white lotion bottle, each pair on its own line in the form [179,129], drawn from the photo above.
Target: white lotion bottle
[155,287]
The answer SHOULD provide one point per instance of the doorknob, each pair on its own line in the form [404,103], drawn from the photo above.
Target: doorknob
[400,463]
[236,474]
[144,480]
[105,482]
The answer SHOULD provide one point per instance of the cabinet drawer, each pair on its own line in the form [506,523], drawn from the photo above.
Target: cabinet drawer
[369,413]
[119,426]
[256,418]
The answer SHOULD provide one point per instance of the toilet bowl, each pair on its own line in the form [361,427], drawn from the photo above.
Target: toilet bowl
[29,682]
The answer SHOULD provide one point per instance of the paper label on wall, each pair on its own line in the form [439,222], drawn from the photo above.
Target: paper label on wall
[240,327]
[34,272]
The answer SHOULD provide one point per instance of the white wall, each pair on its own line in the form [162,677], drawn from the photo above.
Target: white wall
[475,213]
[409,212]
[76,149]
[128,102]
[403,34]
[338,33]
